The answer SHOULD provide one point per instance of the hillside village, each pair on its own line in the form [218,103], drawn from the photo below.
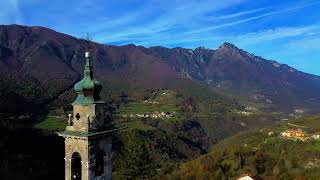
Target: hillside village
[294,134]
[160,105]
[154,115]
[298,134]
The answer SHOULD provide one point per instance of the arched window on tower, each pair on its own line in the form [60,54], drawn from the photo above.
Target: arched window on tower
[78,116]
[76,166]
[99,163]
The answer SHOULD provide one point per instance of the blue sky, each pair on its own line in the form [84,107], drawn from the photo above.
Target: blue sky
[284,30]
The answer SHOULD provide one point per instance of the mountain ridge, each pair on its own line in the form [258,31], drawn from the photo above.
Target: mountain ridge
[225,44]
[56,60]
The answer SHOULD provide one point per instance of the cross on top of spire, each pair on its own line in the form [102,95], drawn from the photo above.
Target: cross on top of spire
[88,89]
[89,46]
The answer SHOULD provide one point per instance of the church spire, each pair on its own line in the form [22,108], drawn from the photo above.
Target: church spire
[88,89]
[88,142]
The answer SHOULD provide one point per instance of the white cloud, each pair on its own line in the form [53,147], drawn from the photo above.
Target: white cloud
[309,44]
[238,14]
[276,34]
[173,14]
[236,22]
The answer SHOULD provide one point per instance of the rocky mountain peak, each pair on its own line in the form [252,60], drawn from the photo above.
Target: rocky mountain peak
[228,49]
[228,46]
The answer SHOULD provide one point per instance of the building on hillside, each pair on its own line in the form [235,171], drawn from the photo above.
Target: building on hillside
[293,133]
[270,133]
[316,136]
[245,178]
[88,134]
[248,177]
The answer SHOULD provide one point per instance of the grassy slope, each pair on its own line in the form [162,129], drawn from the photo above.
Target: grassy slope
[52,123]
[255,152]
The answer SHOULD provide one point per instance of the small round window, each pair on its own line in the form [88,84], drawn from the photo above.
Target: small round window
[78,116]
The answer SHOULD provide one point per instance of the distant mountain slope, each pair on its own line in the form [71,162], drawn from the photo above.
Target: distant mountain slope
[39,67]
[231,69]
[56,61]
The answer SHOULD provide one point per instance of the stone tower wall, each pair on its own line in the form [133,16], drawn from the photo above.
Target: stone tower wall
[83,111]
[88,150]
[73,145]
[104,145]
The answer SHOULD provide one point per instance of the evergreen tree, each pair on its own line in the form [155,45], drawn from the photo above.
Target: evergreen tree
[135,162]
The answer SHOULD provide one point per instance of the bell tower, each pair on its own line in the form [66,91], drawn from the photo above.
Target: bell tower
[88,134]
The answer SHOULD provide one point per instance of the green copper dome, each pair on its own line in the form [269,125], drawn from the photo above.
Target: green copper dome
[88,89]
